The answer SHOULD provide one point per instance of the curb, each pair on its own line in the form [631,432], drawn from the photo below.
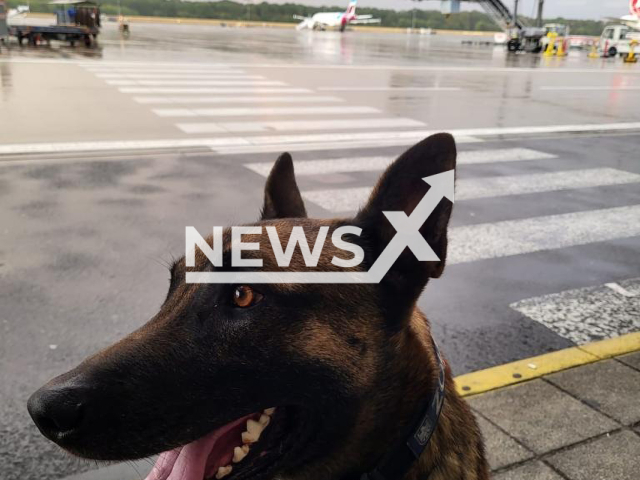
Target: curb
[534,367]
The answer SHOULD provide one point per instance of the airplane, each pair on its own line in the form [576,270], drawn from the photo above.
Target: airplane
[633,20]
[324,20]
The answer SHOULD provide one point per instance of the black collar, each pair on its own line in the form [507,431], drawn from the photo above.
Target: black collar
[397,462]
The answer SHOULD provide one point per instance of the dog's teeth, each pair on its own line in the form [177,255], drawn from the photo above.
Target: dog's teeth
[264,420]
[254,430]
[269,411]
[254,427]
[223,471]
[239,453]
[247,438]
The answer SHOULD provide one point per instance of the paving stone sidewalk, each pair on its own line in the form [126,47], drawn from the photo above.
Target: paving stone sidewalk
[578,424]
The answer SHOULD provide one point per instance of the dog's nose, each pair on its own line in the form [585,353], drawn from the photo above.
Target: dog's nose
[56,411]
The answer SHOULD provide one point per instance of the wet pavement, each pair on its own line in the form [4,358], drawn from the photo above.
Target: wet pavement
[106,154]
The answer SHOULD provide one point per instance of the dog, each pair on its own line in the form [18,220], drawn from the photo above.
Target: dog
[286,381]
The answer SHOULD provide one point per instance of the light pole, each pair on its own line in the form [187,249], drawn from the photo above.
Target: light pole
[540,8]
[413,16]
[249,2]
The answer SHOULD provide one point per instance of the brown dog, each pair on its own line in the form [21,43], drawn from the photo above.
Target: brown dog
[351,369]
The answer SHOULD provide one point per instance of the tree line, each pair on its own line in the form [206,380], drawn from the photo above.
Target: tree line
[270,12]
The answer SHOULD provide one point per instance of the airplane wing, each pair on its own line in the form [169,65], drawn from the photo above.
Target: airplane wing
[362,21]
[306,23]
[300,17]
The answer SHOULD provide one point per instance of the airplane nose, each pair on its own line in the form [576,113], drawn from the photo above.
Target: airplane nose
[57,411]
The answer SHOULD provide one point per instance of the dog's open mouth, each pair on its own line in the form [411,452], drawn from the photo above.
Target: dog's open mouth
[246,445]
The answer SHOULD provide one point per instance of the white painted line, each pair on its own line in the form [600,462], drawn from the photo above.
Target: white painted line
[516,237]
[592,127]
[248,90]
[196,83]
[337,141]
[342,144]
[577,88]
[311,66]
[295,125]
[467,189]
[339,137]
[319,141]
[502,155]
[587,314]
[390,89]
[199,71]
[349,199]
[119,145]
[329,166]
[373,164]
[616,287]
[339,199]
[561,70]
[135,64]
[181,76]
[237,99]
[253,144]
[257,111]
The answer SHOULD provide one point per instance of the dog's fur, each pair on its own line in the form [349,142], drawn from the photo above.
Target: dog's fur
[351,365]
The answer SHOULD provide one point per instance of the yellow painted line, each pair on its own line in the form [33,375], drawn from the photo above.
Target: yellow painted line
[614,346]
[535,367]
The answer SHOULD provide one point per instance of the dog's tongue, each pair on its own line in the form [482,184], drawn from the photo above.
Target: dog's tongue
[192,461]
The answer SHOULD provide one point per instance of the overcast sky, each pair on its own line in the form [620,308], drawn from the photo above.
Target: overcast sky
[584,9]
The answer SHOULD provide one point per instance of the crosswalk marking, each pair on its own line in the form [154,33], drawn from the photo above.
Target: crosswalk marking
[339,199]
[217,90]
[586,88]
[261,111]
[294,125]
[301,143]
[386,89]
[516,237]
[372,164]
[349,199]
[127,71]
[230,145]
[586,314]
[204,83]
[177,76]
[243,99]
[542,182]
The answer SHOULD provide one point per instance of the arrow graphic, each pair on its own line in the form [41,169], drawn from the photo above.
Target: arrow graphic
[407,235]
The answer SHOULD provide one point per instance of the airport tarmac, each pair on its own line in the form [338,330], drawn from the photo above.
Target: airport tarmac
[109,152]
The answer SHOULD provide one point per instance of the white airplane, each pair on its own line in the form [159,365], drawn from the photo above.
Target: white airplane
[324,20]
[633,20]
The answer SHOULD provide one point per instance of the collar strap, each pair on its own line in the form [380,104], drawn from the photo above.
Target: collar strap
[397,462]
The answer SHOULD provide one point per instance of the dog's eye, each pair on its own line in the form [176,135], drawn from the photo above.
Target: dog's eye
[244,296]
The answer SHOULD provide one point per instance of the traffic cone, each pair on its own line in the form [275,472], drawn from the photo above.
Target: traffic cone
[562,49]
[631,58]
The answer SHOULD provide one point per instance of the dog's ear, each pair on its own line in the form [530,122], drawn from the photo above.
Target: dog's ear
[282,197]
[400,189]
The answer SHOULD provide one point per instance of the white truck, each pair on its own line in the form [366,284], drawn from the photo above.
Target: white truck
[616,40]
